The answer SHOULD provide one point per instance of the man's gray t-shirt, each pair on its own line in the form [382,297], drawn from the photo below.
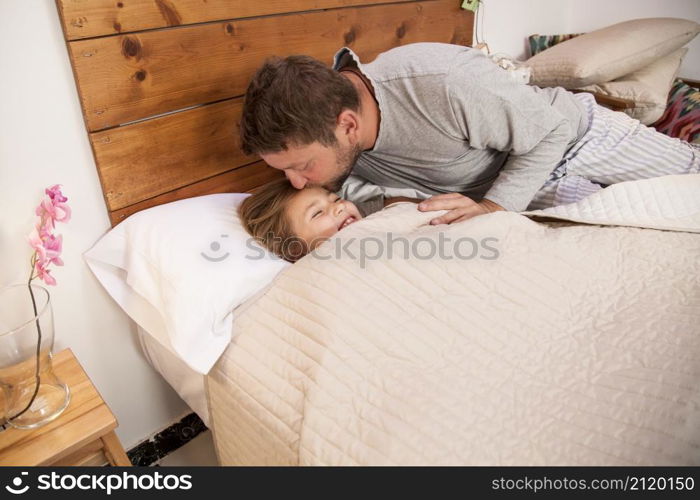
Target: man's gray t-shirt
[453,121]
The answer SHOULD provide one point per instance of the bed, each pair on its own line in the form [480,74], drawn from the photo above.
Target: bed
[578,344]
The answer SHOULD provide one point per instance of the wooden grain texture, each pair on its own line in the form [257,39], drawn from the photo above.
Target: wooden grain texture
[131,77]
[240,180]
[145,159]
[692,83]
[612,102]
[92,18]
[92,454]
[114,450]
[86,419]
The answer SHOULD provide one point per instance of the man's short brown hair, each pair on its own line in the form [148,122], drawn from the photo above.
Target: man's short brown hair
[294,101]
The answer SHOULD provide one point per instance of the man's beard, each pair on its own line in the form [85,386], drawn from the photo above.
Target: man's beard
[345,160]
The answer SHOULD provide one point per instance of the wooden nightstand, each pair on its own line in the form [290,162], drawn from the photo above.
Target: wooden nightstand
[82,435]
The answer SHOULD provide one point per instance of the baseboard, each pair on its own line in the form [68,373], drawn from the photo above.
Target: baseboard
[166,441]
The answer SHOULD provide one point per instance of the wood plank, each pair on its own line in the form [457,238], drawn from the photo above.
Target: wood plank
[91,18]
[126,78]
[692,83]
[114,450]
[91,454]
[82,430]
[612,102]
[83,398]
[240,180]
[144,159]
[86,419]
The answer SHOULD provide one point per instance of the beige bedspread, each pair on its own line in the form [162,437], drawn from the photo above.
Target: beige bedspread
[577,345]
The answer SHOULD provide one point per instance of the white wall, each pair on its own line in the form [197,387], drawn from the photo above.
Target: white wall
[507,23]
[43,142]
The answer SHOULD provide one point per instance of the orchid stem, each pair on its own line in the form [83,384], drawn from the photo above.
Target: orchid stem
[38,343]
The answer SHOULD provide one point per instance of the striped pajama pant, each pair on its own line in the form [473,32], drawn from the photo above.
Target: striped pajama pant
[615,148]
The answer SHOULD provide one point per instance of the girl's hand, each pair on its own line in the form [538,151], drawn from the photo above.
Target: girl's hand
[460,207]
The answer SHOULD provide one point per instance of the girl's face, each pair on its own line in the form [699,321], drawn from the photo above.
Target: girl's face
[316,214]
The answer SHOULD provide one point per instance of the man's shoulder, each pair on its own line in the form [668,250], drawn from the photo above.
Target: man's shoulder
[416,59]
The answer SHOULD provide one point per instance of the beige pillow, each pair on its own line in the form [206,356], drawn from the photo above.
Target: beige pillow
[609,53]
[647,87]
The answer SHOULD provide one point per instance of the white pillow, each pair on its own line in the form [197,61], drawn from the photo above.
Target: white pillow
[648,87]
[609,53]
[180,269]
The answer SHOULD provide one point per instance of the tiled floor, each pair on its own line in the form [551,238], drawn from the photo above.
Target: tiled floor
[199,451]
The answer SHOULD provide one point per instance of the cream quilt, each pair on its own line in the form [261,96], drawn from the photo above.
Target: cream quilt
[578,344]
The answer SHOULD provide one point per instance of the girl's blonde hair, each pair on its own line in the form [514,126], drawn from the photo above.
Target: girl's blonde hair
[263,216]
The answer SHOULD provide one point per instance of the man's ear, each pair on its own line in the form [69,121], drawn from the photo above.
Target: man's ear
[348,123]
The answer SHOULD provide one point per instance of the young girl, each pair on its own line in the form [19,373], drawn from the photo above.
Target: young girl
[292,222]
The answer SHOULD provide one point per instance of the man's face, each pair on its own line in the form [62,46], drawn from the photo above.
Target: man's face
[315,164]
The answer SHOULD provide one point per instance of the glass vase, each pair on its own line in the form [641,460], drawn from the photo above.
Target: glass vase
[33,395]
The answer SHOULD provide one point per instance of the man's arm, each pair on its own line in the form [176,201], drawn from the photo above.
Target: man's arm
[495,112]
[398,199]
[370,198]
[523,174]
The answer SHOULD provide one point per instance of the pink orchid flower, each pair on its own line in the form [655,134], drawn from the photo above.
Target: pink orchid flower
[53,245]
[44,274]
[56,211]
[55,194]
[47,246]
[44,227]
[36,242]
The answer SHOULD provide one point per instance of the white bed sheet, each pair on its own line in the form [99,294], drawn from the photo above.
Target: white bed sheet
[189,384]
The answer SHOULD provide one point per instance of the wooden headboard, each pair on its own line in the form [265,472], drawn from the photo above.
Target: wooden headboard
[161,81]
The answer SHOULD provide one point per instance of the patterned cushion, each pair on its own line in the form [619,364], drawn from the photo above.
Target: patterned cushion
[682,116]
[538,43]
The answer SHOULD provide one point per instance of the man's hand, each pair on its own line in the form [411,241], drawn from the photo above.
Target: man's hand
[460,207]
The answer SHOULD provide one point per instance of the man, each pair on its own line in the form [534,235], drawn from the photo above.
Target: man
[444,120]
